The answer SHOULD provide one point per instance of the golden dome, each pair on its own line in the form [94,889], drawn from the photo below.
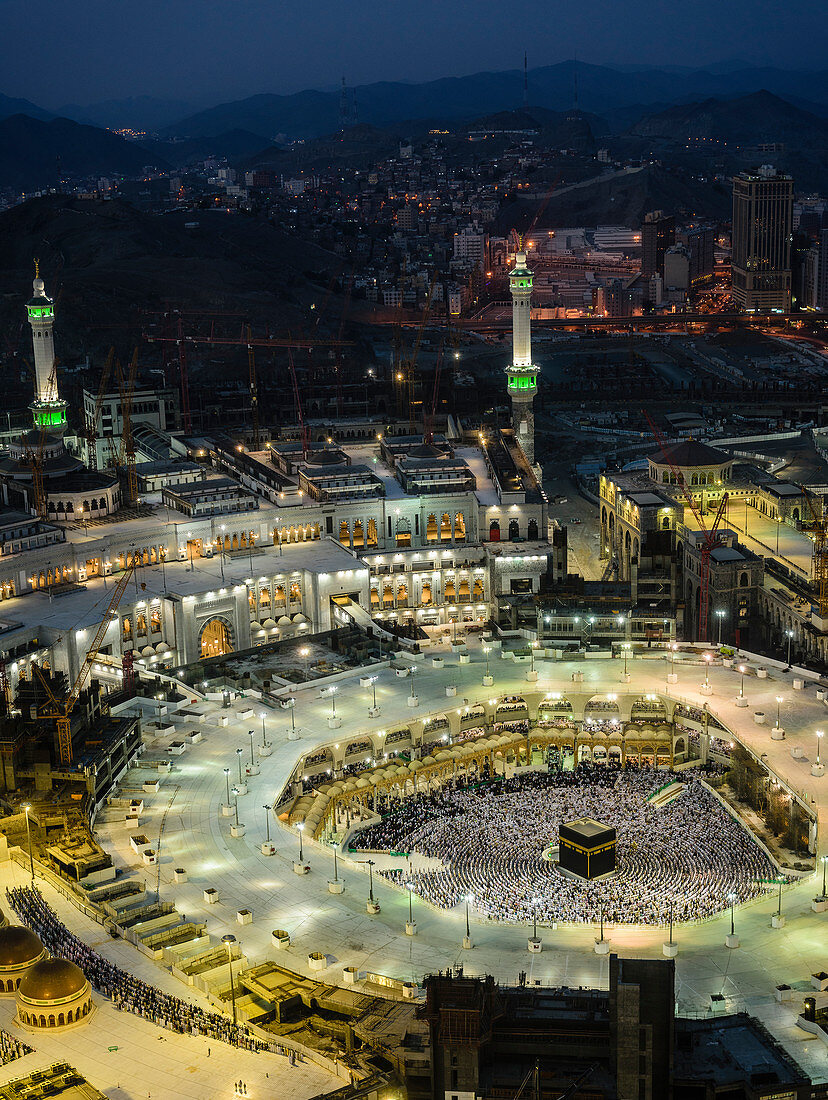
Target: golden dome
[18,946]
[52,980]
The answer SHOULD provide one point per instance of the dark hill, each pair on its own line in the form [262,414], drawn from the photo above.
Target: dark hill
[601,89]
[749,120]
[620,198]
[10,106]
[30,148]
[108,261]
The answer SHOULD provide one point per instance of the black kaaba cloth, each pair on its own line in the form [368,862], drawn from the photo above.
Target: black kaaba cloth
[586,848]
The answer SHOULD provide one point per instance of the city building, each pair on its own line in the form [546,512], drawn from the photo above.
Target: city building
[658,233]
[762,228]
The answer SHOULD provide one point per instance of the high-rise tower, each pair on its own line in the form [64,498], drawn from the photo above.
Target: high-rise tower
[521,373]
[762,230]
[48,411]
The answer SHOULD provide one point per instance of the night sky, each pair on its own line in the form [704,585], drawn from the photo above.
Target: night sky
[56,52]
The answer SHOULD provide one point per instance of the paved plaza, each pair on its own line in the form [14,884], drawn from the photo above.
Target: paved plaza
[195,836]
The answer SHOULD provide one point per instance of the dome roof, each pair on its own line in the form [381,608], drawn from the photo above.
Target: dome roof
[425,450]
[691,453]
[52,980]
[333,457]
[18,946]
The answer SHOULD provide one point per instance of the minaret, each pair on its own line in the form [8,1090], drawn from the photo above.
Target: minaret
[48,411]
[521,373]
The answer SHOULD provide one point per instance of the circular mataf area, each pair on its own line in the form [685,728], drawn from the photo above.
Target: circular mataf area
[689,853]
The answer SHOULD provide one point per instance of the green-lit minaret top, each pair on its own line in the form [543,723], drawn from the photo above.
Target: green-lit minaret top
[521,373]
[48,411]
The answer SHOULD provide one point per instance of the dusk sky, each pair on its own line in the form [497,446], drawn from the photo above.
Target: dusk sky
[201,51]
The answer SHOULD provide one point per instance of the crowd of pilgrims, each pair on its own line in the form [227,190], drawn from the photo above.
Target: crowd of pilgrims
[128,993]
[11,1048]
[491,838]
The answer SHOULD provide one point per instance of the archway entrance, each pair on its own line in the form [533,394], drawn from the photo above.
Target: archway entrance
[216,639]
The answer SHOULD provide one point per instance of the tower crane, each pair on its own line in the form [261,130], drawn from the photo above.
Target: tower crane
[710,538]
[303,428]
[409,367]
[91,426]
[61,709]
[428,419]
[254,387]
[126,453]
[817,527]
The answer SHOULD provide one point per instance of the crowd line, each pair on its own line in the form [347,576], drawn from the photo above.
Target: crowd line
[128,993]
[493,840]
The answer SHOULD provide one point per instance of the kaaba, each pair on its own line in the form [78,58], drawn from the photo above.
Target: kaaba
[586,848]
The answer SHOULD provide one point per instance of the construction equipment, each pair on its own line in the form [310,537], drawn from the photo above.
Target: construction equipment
[254,388]
[710,537]
[91,426]
[61,709]
[428,418]
[304,434]
[409,368]
[126,453]
[816,527]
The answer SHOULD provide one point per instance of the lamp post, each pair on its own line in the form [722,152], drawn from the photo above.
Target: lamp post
[732,899]
[374,692]
[532,649]
[262,716]
[742,684]
[706,688]
[227,781]
[824,865]
[27,807]
[488,679]
[790,635]
[820,734]
[720,614]
[221,557]
[305,652]
[410,927]
[626,647]
[370,863]
[239,754]
[467,939]
[251,734]
[266,808]
[229,940]
[301,829]
[778,708]
[779,903]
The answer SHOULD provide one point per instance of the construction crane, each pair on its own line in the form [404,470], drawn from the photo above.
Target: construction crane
[91,426]
[407,377]
[710,538]
[816,527]
[254,387]
[61,709]
[428,418]
[126,453]
[303,428]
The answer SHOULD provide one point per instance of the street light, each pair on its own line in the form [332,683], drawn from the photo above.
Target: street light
[239,753]
[487,650]
[820,735]
[707,659]
[263,716]
[332,693]
[410,887]
[305,652]
[732,899]
[779,905]
[27,807]
[374,692]
[778,708]
[469,898]
[532,649]
[266,807]
[251,734]
[230,939]
[370,863]
[742,685]
[790,635]
[720,614]
[626,647]
[227,781]
[301,828]
[221,558]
